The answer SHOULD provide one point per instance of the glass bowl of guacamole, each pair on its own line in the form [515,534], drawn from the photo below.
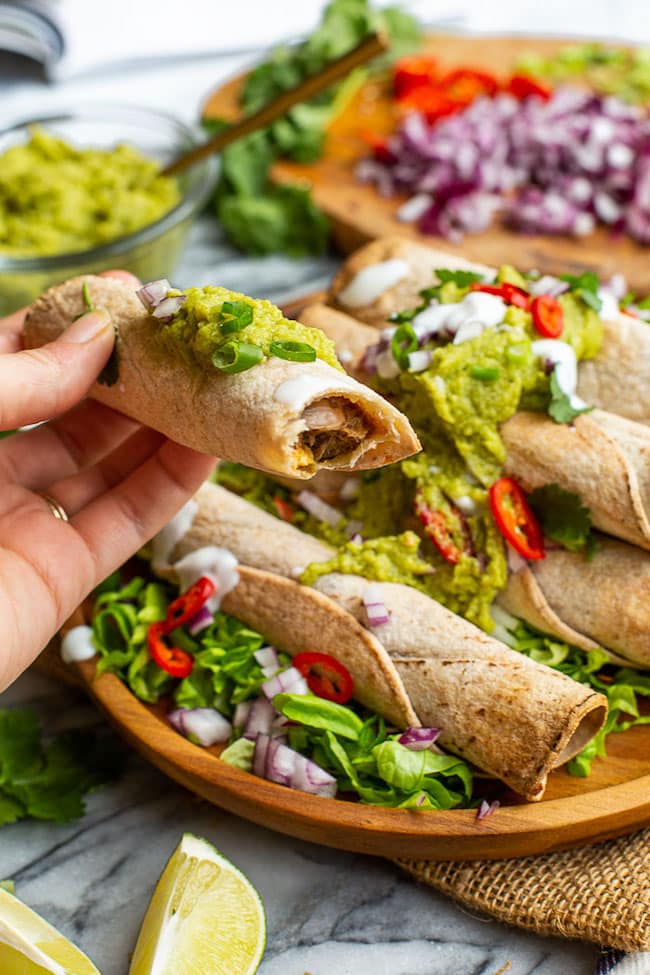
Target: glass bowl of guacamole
[81,192]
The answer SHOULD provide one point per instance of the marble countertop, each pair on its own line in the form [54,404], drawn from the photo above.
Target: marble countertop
[328,912]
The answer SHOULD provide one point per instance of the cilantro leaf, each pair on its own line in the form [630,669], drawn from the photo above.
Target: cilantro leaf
[461,278]
[563,517]
[284,219]
[560,407]
[48,782]
[586,286]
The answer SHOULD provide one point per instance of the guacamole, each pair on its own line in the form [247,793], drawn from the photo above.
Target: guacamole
[427,522]
[57,199]
[212,321]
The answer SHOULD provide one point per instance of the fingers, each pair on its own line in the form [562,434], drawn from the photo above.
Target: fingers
[64,446]
[74,493]
[11,330]
[117,524]
[38,384]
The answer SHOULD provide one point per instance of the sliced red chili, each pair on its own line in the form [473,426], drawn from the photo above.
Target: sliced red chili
[522,86]
[510,293]
[413,72]
[449,531]
[515,520]
[189,603]
[173,660]
[325,675]
[283,508]
[548,316]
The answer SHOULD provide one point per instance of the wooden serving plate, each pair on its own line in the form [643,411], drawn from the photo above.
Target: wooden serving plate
[613,801]
[358,214]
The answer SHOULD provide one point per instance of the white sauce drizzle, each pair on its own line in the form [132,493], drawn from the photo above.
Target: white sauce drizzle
[77,644]
[218,564]
[298,391]
[477,309]
[371,282]
[563,358]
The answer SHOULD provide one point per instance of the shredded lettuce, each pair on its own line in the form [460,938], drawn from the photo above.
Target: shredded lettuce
[622,686]
[225,670]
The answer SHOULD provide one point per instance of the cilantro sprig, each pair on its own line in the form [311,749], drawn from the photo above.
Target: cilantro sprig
[585,286]
[560,407]
[48,780]
[564,518]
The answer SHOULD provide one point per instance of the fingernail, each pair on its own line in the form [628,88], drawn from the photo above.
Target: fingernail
[87,327]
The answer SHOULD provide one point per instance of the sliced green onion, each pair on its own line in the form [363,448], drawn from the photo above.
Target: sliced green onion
[236,356]
[487,374]
[518,353]
[403,341]
[234,316]
[294,351]
[88,302]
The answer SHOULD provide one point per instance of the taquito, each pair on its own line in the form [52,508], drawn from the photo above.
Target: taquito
[511,717]
[617,379]
[282,416]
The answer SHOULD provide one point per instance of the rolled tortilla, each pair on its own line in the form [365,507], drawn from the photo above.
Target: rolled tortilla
[419,263]
[511,717]
[284,417]
[296,618]
[351,337]
[434,653]
[603,458]
[603,602]
[617,379]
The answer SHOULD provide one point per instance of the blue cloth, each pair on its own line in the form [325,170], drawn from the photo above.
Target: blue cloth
[620,963]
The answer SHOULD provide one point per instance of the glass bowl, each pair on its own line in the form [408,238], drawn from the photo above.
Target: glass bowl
[150,252]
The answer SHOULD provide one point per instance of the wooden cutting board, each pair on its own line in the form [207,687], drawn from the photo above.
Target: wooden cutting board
[359,214]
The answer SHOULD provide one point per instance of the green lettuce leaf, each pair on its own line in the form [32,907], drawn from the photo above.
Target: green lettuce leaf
[564,518]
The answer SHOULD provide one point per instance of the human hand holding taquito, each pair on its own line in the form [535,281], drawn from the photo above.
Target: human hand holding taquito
[116,481]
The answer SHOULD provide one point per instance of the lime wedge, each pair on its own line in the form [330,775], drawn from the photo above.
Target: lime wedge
[205,918]
[31,946]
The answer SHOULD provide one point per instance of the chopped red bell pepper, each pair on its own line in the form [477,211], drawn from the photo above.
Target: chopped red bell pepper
[189,603]
[325,675]
[413,72]
[515,520]
[433,103]
[173,660]
[510,293]
[283,508]
[443,528]
[548,316]
[466,84]
[522,86]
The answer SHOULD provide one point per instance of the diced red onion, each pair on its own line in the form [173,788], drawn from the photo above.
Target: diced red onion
[288,681]
[77,645]
[353,528]
[376,612]
[268,657]
[319,509]
[515,561]
[356,539]
[168,307]
[260,718]
[275,761]
[548,285]
[419,739]
[487,808]
[551,167]
[200,621]
[240,716]
[153,293]
[350,489]
[206,725]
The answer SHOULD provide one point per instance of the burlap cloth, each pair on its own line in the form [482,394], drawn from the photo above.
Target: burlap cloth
[595,893]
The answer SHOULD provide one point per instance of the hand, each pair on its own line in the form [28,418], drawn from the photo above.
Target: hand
[119,483]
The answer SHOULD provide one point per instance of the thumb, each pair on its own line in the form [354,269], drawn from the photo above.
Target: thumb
[38,384]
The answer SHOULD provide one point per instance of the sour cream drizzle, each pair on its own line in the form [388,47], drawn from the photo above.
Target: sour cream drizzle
[371,282]
[563,358]
[299,390]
